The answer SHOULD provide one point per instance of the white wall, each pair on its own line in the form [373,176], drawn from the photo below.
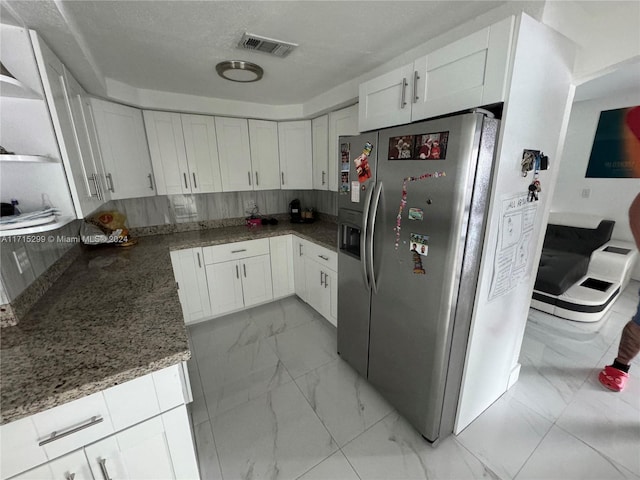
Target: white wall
[608,197]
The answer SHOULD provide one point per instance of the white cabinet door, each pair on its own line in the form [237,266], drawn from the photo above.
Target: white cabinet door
[296,168]
[299,274]
[320,142]
[282,275]
[225,287]
[179,439]
[140,452]
[191,279]
[341,122]
[385,100]
[465,74]
[71,466]
[202,153]
[52,73]
[318,291]
[95,148]
[332,286]
[265,156]
[256,280]
[124,149]
[168,155]
[89,192]
[235,155]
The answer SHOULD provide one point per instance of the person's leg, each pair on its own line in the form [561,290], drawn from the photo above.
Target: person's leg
[615,376]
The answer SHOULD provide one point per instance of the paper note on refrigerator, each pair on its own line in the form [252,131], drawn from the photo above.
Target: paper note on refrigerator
[355,191]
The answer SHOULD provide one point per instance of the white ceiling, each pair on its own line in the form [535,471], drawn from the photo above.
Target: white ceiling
[173,46]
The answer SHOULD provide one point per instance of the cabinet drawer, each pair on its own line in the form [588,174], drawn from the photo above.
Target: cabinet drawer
[322,255]
[235,251]
[82,417]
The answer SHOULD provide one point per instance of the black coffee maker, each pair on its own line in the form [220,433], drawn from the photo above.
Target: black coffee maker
[295,211]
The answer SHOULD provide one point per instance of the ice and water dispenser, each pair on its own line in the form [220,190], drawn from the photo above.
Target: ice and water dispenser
[349,222]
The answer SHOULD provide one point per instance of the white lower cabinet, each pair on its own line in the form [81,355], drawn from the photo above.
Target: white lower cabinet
[237,284]
[191,282]
[282,273]
[139,429]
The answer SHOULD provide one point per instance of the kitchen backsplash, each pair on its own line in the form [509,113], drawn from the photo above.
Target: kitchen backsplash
[163,210]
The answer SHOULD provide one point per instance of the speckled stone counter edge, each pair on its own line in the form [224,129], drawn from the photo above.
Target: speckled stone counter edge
[34,407]
[11,313]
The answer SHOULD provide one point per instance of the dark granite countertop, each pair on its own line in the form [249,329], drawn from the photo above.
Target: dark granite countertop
[112,316]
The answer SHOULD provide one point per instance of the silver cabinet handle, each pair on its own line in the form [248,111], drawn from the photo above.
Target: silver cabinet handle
[321,279]
[282,173]
[195,184]
[238,251]
[103,468]
[69,476]
[99,187]
[244,268]
[300,248]
[185,180]
[249,177]
[326,283]
[199,264]
[322,178]
[110,182]
[416,77]
[403,102]
[94,178]
[150,181]
[324,257]
[237,272]
[56,436]
[257,182]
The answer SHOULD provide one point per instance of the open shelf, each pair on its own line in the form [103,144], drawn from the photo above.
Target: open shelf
[60,222]
[28,159]
[11,87]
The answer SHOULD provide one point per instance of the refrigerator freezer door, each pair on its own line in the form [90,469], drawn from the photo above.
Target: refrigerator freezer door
[412,312]
[349,172]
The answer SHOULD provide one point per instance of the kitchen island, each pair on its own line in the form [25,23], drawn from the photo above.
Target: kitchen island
[112,316]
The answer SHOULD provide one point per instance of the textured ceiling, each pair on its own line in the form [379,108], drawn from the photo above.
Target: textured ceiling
[174,46]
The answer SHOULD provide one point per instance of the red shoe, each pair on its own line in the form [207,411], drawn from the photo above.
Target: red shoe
[613,379]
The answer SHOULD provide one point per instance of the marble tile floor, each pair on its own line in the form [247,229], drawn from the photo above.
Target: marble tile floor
[273,400]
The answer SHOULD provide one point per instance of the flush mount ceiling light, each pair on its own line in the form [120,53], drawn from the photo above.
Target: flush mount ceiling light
[239,71]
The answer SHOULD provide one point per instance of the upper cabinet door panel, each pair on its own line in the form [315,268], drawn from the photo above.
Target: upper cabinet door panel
[468,73]
[384,100]
[124,149]
[265,155]
[235,155]
[295,155]
[202,153]
[166,145]
[320,140]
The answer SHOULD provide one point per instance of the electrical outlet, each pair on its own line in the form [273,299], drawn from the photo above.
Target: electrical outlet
[22,260]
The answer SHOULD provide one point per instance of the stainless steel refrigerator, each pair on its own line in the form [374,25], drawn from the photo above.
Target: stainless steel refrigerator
[410,241]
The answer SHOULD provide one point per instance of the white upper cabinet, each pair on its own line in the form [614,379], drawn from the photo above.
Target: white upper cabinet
[168,155]
[265,156]
[184,152]
[202,153]
[62,107]
[235,154]
[320,142]
[296,169]
[341,122]
[124,149]
[464,74]
[468,73]
[385,101]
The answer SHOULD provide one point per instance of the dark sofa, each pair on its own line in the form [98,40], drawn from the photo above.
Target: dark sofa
[566,253]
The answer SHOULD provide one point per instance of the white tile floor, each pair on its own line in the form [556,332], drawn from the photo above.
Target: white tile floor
[273,400]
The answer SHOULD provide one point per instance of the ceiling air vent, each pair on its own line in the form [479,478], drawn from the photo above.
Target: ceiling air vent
[278,48]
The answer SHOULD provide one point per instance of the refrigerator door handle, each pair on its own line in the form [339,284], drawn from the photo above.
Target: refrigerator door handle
[374,212]
[363,240]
